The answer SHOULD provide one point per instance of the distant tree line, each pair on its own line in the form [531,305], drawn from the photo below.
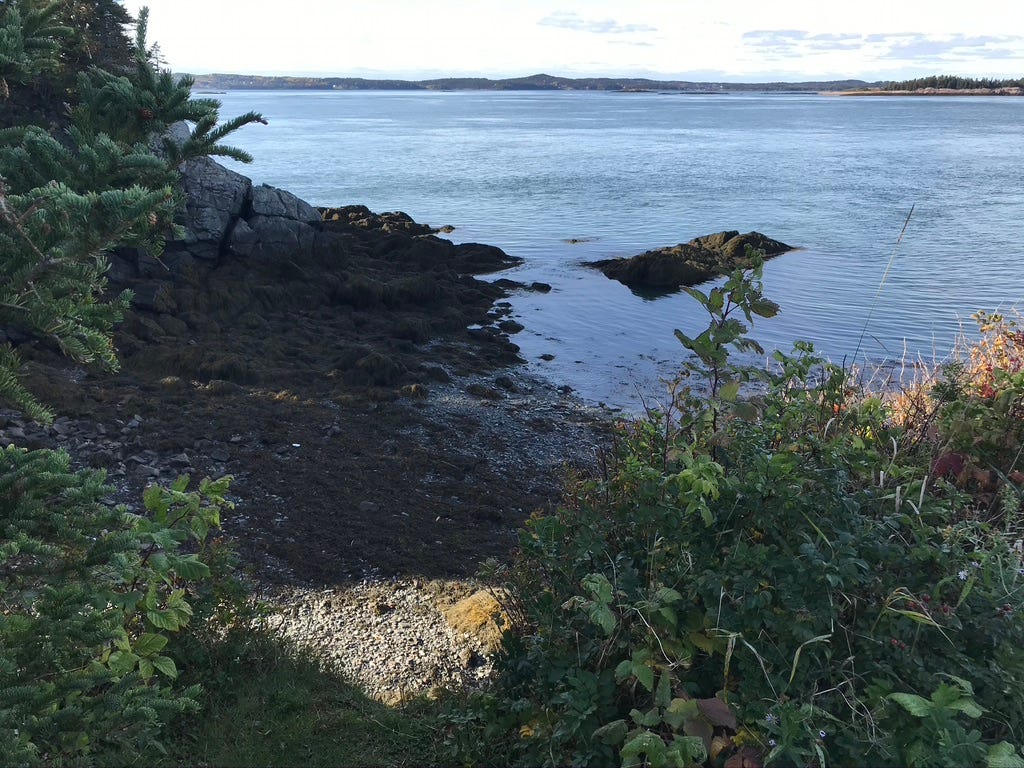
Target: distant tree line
[953,82]
[539,82]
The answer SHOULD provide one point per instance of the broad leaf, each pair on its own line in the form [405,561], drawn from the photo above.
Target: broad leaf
[914,704]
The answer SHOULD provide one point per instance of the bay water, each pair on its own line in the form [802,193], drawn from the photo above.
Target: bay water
[559,178]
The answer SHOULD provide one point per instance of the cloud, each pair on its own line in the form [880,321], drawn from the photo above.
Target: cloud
[775,44]
[573,21]
[774,38]
[927,46]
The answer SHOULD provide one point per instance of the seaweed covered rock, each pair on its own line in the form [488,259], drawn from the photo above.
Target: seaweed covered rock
[668,269]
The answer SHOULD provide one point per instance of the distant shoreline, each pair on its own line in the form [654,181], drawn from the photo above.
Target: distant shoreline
[930,92]
[541,82]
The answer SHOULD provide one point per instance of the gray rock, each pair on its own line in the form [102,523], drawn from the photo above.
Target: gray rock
[180,460]
[271,201]
[155,297]
[242,239]
[216,197]
[278,237]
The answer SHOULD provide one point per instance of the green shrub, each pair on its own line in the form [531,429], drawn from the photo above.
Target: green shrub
[770,578]
[93,597]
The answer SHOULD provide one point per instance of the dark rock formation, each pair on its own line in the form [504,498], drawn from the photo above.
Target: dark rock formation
[668,269]
[363,217]
[260,285]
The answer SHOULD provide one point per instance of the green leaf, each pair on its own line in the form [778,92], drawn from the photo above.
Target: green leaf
[602,616]
[156,502]
[165,666]
[729,392]
[190,567]
[716,300]
[663,695]
[599,587]
[700,296]
[649,719]
[667,595]
[913,703]
[150,644]
[1003,755]
[644,743]
[645,675]
[692,748]
[764,308]
[121,662]
[623,670]
[164,620]
[969,707]
[685,340]
[146,669]
[613,733]
[679,711]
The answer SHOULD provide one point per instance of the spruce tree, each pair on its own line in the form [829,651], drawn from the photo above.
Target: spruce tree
[92,598]
[67,199]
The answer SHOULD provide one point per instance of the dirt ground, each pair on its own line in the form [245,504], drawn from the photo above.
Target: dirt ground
[367,400]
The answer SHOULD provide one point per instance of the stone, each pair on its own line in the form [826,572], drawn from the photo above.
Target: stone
[154,297]
[271,201]
[482,390]
[280,238]
[180,460]
[506,383]
[215,198]
[687,264]
[481,616]
[242,239]
[476,258]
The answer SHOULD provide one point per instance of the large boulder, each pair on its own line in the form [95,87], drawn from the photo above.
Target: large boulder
[271,201]
[279,237]
[214,199]
[668,269]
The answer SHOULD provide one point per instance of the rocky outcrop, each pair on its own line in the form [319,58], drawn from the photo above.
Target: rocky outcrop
[392,221]
[253,257]
[668,269]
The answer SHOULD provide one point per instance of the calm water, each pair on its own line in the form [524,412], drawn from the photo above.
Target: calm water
[629,172]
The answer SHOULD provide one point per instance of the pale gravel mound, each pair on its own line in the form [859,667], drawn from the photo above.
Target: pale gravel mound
[388,637]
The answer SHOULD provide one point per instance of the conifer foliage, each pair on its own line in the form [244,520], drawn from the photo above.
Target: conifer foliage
[93,598]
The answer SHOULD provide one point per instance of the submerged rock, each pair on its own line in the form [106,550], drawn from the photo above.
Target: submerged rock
[668,269]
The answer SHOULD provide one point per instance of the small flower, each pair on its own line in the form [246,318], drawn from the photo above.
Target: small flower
[771,718]
[772,742]
[975,563]
[962,575]
[1020,571]
[822,734]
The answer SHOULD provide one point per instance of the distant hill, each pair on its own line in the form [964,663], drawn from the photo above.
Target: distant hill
[539,82]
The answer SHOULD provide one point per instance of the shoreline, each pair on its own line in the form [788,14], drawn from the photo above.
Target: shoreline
[930,92]
[377,418]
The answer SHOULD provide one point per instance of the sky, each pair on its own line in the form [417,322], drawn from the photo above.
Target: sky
[709,40]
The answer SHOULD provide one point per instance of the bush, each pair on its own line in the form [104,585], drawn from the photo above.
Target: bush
[92,597]
[767,579]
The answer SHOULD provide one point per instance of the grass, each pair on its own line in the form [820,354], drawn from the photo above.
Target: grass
[265,704]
